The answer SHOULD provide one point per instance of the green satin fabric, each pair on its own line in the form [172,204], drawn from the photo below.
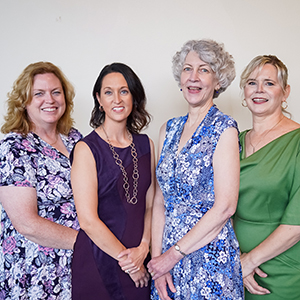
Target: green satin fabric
[269,196]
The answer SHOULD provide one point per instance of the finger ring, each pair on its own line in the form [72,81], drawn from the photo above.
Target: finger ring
[127,271]
[152,274]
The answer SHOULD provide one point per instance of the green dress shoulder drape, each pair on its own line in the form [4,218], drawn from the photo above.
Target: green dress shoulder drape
[269,196]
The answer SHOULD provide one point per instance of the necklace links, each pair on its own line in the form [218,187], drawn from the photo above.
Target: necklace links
[135,172]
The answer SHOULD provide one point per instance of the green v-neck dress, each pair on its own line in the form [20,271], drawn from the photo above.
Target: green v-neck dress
[269,196]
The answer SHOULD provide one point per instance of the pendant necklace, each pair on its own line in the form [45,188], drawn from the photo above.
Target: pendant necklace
[53,143]
[135,173]
[253,147]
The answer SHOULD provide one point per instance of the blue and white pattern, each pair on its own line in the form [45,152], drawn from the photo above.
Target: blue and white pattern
[28,270]
[187,183]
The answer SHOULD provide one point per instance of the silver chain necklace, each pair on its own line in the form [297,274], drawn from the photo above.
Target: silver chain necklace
[264,135]
[135,173]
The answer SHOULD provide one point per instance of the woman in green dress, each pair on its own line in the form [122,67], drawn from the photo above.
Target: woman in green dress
[267,221]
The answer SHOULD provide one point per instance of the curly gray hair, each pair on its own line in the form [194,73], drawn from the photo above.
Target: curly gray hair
[214,54]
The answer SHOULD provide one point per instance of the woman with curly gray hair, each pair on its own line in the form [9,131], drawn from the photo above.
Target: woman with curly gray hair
[194,248]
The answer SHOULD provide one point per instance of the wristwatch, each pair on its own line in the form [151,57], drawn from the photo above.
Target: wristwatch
[177,248]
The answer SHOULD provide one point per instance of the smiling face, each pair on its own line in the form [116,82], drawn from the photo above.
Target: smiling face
[263,91]
[115,97]
[48,104]
[198,81]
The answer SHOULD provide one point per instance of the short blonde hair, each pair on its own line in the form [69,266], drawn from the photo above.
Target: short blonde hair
[16,118]
[258,62]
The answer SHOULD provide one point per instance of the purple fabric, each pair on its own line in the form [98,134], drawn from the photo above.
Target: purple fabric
[29,270]
[95,275]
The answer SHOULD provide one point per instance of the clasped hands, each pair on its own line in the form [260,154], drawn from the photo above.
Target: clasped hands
[131,262]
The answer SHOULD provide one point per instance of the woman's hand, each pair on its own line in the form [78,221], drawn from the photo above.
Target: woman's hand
[131,260]
[161,284]
[249,269]
[248,266]
[252,286]
[162,264]
[140,277]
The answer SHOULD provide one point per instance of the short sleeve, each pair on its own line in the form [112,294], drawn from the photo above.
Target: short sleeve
[222,123]
[291,215]
[229,122]
[16,162]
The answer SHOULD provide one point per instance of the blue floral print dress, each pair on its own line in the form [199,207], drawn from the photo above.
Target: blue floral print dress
[187,184]
[28,270]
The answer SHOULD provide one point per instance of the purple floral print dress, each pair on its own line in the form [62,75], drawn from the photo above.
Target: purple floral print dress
[28,270]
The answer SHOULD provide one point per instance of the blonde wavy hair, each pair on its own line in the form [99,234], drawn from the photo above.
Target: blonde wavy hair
[16,118]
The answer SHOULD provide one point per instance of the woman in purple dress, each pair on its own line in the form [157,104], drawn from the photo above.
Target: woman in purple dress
[38,218]
[112,179]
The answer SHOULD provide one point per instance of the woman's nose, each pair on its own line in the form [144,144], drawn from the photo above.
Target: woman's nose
[194,76]
[260,87]
[117,98]
[49,97]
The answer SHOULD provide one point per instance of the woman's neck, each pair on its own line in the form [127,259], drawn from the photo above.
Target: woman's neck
[263,132]
[52,137]
[196,115]
[262,124]
[117,134]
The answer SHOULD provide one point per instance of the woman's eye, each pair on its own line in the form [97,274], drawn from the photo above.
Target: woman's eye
[38,94]
[107,93]
[124,92]
[56,93]
[251,83]
[187,69]
[269,83]
[203,70]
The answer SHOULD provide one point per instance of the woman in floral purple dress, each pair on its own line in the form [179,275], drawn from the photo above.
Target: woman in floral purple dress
[38,219]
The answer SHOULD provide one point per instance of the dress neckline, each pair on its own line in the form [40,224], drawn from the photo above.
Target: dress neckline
[262,148]
[63,138]
[103,140]
[188,142]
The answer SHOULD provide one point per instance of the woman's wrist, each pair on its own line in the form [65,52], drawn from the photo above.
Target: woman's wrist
[248,260]
[174,254]
[144,246]
[177,248]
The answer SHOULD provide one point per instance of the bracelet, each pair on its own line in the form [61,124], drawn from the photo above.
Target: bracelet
[177,248]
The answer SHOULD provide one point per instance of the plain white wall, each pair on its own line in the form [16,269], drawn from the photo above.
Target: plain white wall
[81,36]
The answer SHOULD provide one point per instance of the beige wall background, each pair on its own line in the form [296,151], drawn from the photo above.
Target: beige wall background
[81,36]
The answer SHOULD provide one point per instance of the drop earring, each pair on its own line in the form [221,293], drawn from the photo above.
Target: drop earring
[284,105]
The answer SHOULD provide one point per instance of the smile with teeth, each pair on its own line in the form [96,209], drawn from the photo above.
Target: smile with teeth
[118,108]
[49,109]
[194,88]
[259,100]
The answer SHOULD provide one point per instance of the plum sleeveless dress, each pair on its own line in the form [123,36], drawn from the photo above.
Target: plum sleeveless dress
[96,275]
[187,182]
